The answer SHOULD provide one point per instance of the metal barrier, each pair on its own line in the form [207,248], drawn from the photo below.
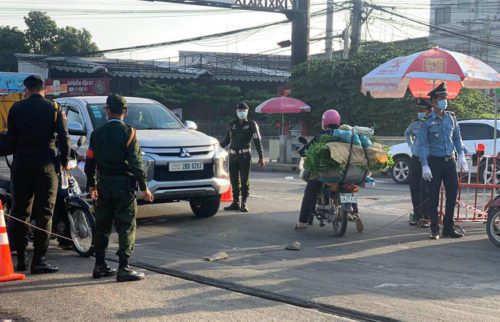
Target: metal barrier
[473,197]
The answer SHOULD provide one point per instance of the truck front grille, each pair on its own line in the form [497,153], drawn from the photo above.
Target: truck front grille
[163,174]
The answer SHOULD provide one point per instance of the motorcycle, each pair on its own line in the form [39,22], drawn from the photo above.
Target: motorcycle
[336,204]
[77,205]
[493,223]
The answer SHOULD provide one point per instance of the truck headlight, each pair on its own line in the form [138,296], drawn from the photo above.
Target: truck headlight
[149,167]
[221,162]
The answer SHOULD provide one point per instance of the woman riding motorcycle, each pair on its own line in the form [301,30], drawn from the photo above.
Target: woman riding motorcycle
[330,121]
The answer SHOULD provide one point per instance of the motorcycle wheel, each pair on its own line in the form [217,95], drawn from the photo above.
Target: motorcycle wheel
[493,226]
[82,230]
[340,221]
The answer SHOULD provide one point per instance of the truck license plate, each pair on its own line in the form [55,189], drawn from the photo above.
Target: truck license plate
[185,166]
[348,198]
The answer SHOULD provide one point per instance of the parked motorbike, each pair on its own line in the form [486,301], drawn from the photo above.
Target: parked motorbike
[493,223]
[335,204]
[78,206]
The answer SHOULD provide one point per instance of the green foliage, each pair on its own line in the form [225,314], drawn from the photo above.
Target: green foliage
[472,104]
[325,84]
[201,100]
[72,41]
[318,159]
[42,37]
[12,40]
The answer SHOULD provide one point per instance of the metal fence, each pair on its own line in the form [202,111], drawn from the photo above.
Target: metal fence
[219,129]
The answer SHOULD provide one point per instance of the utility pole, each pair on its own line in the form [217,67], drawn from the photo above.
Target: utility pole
[300,31]
[356,21]
[329,30]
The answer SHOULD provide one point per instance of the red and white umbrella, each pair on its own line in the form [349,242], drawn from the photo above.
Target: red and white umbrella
[282,105]
[423,71]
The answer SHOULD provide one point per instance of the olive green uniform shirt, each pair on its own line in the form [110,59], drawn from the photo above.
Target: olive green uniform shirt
[114,151]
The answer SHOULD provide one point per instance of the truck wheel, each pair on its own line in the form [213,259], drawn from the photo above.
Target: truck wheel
[205,206]
[401,170]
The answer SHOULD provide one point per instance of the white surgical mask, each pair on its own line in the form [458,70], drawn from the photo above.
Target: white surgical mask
[421,115]
[242,114]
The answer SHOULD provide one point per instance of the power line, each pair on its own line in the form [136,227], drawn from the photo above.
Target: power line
[475,39]
[198,38]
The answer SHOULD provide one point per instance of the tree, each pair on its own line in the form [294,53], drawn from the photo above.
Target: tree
[336,84]
[71,41]
[12,42]
[202,101]
[41,35]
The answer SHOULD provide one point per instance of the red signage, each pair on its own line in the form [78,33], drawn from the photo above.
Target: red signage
[77,87]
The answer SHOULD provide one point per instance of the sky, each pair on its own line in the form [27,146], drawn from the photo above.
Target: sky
[123,23]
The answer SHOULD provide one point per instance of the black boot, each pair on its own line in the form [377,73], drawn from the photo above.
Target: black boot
[451,233]
[244,207]
[103,270]
[234,206]
[21,261]
[126,274]
[41,266]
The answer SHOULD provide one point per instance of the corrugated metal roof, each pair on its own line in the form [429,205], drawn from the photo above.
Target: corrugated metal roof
[234,71]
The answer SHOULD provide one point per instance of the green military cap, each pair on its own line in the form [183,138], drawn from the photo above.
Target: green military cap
[116,103]
[242,106]
[422,103]
[441,90]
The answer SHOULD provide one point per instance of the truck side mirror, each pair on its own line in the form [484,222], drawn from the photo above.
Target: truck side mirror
[191,125]
[75,128]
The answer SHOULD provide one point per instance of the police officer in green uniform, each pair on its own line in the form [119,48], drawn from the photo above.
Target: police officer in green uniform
[239,138]
[114,152]
[34,124]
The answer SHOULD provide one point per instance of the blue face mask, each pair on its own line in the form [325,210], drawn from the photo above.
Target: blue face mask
[242,114]
[442,104]
[421,115]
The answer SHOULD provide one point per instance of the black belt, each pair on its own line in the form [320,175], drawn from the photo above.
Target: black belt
[445,159]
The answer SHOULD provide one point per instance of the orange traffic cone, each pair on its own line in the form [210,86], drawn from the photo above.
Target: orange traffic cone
[6,268]
[228,195]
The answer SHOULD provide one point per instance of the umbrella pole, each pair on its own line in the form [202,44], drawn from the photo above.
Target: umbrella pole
[282,124]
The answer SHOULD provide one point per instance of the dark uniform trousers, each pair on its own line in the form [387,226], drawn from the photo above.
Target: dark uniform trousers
[239,172]
[35,188]
[419,190]
[116,204]
[442,172]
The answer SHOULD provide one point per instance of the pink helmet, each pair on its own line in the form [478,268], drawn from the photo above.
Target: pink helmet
[330,117]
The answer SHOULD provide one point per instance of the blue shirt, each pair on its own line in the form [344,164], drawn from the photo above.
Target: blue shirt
[411,136]
[439,137]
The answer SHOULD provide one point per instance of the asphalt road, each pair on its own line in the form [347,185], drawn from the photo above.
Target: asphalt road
[390,271]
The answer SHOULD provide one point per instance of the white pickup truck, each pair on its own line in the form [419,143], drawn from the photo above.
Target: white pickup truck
[473,132]
[180,162]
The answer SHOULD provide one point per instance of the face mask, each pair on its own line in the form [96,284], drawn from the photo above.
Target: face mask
[442,104]
[421,115]
[242,115]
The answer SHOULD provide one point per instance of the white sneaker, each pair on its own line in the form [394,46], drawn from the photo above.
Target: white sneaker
[300,225]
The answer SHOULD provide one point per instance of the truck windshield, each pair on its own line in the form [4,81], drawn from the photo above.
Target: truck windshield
[142,116]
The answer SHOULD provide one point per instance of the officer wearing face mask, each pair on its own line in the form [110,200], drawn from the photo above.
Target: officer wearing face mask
[239,138]
[418,189]
[437,142]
